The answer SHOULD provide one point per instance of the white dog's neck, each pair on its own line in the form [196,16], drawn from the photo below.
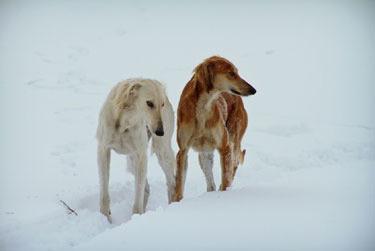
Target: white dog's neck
[131,117]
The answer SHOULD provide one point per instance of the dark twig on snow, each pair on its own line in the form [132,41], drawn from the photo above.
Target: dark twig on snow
[70,210]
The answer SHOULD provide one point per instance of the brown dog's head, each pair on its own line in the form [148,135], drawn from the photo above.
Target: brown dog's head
[217,73]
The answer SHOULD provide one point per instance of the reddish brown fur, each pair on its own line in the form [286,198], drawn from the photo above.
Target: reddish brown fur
[210,118]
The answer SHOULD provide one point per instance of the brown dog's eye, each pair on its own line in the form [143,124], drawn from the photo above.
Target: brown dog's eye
[162,105]
[150,104]
[231,74]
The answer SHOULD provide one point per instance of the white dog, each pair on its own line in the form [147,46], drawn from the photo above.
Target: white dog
[135,111]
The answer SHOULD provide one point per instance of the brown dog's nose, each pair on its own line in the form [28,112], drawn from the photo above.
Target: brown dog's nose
[249,89]
[252,90]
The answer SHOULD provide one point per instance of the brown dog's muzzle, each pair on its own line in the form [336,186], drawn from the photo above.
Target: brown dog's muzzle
[243,89]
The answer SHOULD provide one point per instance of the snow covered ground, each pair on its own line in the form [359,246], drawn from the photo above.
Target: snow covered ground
[308,178]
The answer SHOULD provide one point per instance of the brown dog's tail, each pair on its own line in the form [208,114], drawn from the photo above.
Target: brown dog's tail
[242,156]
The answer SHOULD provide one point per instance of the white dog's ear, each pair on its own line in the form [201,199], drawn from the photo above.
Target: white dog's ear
[125,98]
[134,89]
[126,95]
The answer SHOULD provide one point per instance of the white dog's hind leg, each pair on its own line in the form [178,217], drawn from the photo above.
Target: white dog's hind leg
[147,195]
[140,175]
[104,156]
[206,160]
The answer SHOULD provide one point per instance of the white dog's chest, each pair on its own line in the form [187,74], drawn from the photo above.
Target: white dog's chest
[129,141]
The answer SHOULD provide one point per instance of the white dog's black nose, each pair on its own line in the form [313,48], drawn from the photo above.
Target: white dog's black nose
[160,130]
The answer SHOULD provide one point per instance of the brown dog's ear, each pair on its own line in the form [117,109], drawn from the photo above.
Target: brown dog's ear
[204,74]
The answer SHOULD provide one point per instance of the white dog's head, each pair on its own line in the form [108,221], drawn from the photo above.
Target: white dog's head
[146,99]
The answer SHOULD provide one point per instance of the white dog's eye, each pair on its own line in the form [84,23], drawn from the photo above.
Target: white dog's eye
[150,104]
[162,105]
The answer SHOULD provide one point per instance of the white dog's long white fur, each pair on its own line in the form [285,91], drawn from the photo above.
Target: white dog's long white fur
[135,111]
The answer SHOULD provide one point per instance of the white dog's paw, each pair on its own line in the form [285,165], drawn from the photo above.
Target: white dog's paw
[107,213]
[170,195]
[109,218]
[138,210]
[211,188]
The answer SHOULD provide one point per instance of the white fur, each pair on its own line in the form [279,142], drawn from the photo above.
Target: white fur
[126,124]
[206,161]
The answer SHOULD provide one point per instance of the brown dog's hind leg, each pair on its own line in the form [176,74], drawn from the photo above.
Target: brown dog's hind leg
[226,167]
[206,161]
[180,174]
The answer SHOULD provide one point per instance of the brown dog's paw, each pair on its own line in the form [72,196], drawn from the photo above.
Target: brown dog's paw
[177,197]
[223,188]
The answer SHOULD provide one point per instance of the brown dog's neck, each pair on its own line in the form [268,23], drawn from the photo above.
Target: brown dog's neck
[205,96]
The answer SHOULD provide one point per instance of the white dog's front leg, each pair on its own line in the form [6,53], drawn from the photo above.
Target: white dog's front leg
[140,175]
[167,162]
[104,156]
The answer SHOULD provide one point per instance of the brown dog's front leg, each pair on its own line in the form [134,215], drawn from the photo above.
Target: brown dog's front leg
[180,174]
[226,167]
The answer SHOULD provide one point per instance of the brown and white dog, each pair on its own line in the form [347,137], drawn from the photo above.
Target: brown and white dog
[210,116]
